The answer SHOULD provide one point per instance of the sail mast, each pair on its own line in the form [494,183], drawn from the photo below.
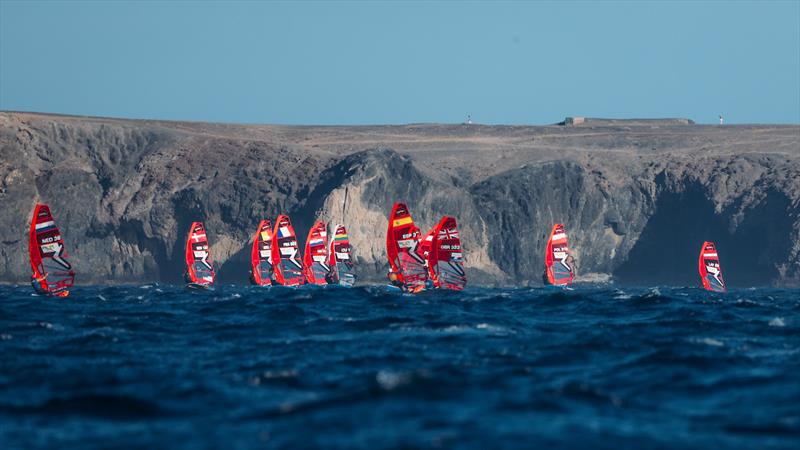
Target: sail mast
[344,204]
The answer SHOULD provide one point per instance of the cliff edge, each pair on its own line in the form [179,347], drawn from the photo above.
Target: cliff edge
[638,199]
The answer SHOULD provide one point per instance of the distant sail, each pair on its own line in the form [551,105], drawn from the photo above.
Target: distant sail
[315,256]
[288,265]
[557,258]
[52,272]
[710,269]
[340,260]
[199,267]
[446,259]
[261,255]
[402,239]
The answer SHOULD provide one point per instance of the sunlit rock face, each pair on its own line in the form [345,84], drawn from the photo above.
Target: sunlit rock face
[637,198]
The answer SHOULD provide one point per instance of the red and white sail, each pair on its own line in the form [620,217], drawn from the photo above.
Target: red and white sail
[425,247]
[261,255]
[402,241]
[52,271]
[557,259]
[288,265]
[340,258]
[446,258]
[315,256]
[710,269]
[199,267]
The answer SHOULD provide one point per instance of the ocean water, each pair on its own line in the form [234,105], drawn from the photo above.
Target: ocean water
[240,367]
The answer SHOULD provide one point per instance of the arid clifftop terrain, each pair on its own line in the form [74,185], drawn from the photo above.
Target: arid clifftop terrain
[638,198]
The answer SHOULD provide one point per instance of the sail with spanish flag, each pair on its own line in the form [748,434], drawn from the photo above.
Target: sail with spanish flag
[402,241]
[261,255]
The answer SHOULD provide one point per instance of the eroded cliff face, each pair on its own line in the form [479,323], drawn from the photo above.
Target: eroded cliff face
[637,201]
[646,226]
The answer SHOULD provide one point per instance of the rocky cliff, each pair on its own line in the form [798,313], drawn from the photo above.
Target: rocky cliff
[638,198]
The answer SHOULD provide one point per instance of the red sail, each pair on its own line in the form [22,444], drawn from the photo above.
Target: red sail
[261,255]
[286,254]
[52,272]
[446,261]
[557,258]
[199,267]
[402,239]
[315,256]
[340,258]
[424,249]
[709,268]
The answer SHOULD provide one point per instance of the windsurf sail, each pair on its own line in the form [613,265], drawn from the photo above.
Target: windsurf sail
[425,247]
[710,270]
[402,241]
[199,267]
[340,261]
[446,260]
[288,265]
[557,259]
[52,272]
[315,256]
[261,255]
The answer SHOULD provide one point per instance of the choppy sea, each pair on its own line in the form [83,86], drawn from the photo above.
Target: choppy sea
[240,367]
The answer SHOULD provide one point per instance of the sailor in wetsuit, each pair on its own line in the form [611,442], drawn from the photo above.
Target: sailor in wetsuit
[330,278]
[36,282]
[394,279]
[568,262]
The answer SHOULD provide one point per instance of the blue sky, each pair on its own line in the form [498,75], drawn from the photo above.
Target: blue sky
[375,63]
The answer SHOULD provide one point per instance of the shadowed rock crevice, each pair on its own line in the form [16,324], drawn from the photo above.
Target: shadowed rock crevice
[760,245]
[667,250]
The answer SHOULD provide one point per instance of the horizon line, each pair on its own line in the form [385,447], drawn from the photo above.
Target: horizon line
[560,123]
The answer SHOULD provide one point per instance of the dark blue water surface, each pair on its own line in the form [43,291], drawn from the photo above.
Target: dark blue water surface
[240,367]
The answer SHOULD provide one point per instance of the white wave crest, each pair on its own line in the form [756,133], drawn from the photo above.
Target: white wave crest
[777,322]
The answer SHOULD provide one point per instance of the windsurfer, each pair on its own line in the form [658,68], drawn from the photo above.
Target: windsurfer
[394,278]
[569,261]
[330,277]
[433,281]
[36,282]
